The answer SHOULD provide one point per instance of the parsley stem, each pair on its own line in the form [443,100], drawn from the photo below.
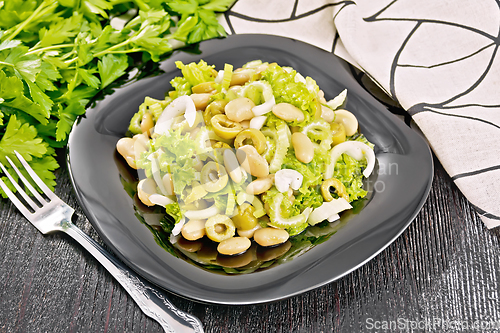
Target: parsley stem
[35,50]
[6,64]
[126,51]
[114,47]
[67,55]
[33,15]
[67,62]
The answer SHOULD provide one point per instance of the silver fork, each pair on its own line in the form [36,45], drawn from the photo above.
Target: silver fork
[55,215]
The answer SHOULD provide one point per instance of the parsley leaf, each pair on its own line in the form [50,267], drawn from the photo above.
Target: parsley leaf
[90,80]
[8,44]
[56,56]
[16,11]
[11,91]
[61,31]
[45,166]
[218,5]
[67,117]
[22,138]
[111,67]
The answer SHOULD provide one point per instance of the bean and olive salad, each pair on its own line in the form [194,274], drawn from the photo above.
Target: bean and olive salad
[249,156]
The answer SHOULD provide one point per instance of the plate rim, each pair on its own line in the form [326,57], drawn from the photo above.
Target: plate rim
[160,284]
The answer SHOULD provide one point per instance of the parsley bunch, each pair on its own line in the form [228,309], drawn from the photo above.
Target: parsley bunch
[56,56]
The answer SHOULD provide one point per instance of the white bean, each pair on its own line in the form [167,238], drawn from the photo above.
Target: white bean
[193,230]
[168,184]
[201,100]
[260,185]
[252,162]
[145,189]
[257,122]
[125,147]
[270,236]
[234,245]
[303,146]
[239,109]
[327,113]
[232,166]
[248,233]
[147,123]
[348,120]
[288,112]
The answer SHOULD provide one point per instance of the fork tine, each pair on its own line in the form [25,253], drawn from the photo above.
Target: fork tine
[35,177]
[27,183]
[20,206]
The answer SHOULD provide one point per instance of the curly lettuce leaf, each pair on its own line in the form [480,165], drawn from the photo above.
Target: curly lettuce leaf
[181,87]
[312,171]
[361,138]
[196,73]
[307,197]
[192,74]
[173,152]
[287,90]
[283,214]
[178,147]
[349,172]
[174,211]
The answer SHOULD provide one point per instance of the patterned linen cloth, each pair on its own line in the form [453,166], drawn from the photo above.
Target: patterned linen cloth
[436,58]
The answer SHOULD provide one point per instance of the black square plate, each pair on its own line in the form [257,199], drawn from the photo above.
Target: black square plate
[400,184]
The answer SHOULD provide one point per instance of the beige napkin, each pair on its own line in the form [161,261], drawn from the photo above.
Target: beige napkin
[436,58]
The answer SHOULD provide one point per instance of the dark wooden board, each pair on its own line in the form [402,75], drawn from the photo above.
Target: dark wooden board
[442,268]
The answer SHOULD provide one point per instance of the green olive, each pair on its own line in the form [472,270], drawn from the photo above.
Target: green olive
[213,177]
[316,108]
[220,144]
[244,219]
[224,127]
[219,227]
[337,185]
[258,140]
[216,107]
[338,133]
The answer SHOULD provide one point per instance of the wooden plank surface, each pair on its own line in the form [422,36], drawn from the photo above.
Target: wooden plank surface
[444,267]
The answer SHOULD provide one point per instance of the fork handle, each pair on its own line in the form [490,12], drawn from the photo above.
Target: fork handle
[151,301]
